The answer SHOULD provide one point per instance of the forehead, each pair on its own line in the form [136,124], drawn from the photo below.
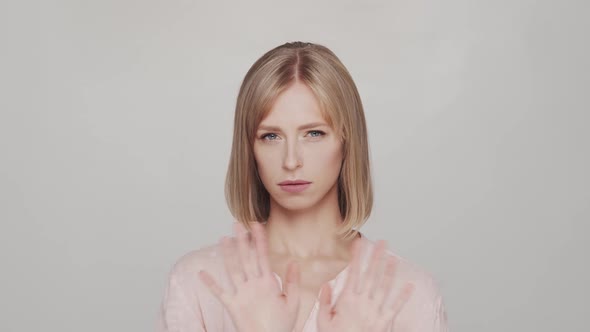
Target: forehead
[296,105]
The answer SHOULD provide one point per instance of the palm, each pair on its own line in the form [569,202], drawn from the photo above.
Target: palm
[361,306]
[256,302]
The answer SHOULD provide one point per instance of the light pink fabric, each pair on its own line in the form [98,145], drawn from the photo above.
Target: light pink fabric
[189,306]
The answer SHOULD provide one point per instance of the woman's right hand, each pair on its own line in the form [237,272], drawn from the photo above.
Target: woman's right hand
[256,303]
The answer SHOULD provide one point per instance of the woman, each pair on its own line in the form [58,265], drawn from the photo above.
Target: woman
[299,186]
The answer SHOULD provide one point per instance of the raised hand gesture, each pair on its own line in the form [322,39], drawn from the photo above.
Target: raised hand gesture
[256,303]
[361,305]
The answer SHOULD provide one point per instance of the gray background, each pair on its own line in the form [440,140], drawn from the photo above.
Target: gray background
[115,130]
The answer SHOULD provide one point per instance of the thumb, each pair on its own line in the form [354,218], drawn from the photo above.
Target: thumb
[325,311]
[292,284]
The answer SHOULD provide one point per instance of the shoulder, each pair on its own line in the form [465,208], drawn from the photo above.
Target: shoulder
[187,303]
[188,265]
[405,269]
[184,281]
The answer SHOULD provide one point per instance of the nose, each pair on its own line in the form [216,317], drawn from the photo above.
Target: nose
[292,159]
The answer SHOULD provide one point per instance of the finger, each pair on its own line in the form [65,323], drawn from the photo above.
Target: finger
[244,249]
[385,288]
[213,286]
[232,263]
[401,300]
[292,284]
[352,279]
[325,309]
[370,278]
[261,243]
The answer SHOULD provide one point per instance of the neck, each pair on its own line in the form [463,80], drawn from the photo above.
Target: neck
[307,234]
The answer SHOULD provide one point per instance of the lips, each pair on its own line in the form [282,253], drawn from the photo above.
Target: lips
[293,182]
[294,186]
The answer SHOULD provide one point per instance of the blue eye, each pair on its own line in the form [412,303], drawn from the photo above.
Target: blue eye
[318,132]
[273,136]
[265,136]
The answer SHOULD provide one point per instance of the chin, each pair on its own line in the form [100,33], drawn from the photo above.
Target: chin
[299,203]
[296,203]
[293,205]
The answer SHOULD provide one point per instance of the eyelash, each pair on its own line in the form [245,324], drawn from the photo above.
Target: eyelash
[311,131]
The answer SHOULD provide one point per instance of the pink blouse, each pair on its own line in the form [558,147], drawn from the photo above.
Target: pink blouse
[189,306]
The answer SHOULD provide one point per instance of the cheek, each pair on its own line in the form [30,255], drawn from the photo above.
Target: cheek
[265,160]
[329,158]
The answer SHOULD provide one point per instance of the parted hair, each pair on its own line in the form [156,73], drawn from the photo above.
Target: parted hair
[320,69]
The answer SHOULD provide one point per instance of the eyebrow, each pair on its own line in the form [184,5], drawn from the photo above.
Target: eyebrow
[305,126]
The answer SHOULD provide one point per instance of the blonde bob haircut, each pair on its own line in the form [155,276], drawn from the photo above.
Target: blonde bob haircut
[320,69]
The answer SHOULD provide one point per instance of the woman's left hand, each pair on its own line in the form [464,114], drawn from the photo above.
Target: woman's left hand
[361,305]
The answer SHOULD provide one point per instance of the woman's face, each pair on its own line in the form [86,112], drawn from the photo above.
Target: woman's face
[294,142]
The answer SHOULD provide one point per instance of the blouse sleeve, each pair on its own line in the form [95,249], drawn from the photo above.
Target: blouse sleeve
[177,313]
[425,310]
